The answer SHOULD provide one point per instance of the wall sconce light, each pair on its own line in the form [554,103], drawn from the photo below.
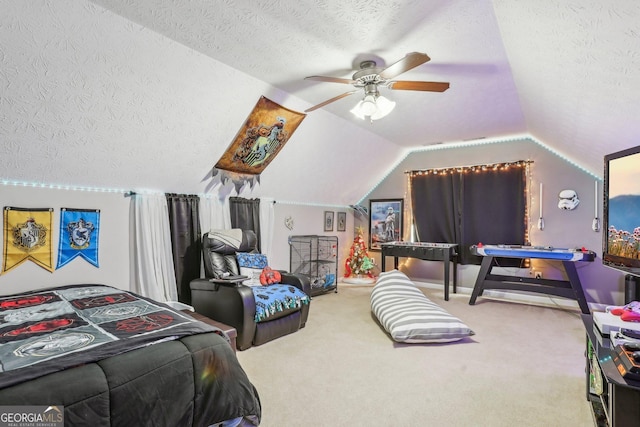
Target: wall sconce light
[540,218]
[595,225]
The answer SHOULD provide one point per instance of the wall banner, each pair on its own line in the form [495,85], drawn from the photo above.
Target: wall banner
[27,236]
[263,134]
[79,230]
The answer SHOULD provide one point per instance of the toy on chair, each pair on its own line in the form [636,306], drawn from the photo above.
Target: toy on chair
[269,276]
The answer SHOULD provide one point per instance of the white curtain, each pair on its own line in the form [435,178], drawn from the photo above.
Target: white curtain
[267,225]
[214,213]
[152,272]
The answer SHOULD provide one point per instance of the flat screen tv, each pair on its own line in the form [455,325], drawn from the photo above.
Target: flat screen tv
[621,211]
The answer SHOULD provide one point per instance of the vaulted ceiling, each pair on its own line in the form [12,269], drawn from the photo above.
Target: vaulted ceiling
[566,72]
[281,42]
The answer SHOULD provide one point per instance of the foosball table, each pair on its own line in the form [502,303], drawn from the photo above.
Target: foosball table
[446,252]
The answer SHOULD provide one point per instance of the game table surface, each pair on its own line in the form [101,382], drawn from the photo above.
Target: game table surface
[541,252]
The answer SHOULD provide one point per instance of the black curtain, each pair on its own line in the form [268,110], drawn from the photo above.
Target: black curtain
[471,207]
[184,222]
[245,214]
[436,207]
[493,211]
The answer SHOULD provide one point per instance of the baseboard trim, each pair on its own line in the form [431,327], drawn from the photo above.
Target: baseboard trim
[528,298]
[525,298]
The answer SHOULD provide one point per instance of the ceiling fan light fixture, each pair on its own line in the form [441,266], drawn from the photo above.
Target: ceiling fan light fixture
[369,106]
[384,108]
[357,111]
[370,77]
[373,107]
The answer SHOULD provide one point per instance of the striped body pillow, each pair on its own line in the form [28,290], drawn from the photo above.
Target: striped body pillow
[409,316]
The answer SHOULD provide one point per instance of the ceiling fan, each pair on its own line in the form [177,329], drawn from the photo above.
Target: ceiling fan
[370,78]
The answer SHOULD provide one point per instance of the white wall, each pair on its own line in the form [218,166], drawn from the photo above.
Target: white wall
[114,238]
[308,220]
[113,251]
[563,229]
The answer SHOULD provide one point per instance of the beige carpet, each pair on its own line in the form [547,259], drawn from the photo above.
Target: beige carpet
[524,367]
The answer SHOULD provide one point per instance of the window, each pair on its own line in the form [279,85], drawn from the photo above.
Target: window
[468,205]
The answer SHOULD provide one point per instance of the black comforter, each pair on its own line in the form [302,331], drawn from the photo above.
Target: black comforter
[115,358]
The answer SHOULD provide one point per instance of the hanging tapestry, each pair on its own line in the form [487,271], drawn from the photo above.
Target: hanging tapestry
[259,140]
[27,235]
[79,229]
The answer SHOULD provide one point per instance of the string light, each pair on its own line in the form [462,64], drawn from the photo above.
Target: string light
[287,202]
[474,143]
[467,169]
[43,185]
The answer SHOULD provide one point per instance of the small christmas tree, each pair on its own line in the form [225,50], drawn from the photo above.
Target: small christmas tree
[358,263]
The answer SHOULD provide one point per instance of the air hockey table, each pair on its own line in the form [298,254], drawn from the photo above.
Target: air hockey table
[569,288]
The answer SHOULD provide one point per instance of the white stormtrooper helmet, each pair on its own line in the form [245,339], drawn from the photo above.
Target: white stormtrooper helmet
[568,200]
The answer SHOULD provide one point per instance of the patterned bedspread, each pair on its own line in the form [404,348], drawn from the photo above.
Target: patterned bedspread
[50,330]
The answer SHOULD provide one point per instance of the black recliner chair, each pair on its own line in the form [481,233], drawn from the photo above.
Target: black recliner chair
[234,303]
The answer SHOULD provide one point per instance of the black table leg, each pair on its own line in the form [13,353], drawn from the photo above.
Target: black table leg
[455,273]
[574,280]
[446,276]
[478,288]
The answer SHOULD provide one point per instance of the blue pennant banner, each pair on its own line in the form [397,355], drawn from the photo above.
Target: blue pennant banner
[79,230]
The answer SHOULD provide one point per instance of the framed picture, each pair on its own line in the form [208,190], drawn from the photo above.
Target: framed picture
[328,220]
[342,221]
[385,221]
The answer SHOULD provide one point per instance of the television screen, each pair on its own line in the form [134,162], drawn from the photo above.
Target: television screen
[621,209]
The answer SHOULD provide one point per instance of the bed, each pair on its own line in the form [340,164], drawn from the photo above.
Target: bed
[115,358]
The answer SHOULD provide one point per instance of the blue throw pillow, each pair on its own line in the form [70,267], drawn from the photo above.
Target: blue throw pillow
[251,265]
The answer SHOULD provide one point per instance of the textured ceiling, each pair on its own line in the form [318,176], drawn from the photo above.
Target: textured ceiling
[281,42]
[154,89]
[575,63]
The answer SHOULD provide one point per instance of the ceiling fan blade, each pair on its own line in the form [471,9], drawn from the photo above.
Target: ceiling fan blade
[424,86]
[411,60]
[329,101]
[330,79]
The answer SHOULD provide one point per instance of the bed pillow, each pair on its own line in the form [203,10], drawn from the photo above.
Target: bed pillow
[251,265]
[409,316]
